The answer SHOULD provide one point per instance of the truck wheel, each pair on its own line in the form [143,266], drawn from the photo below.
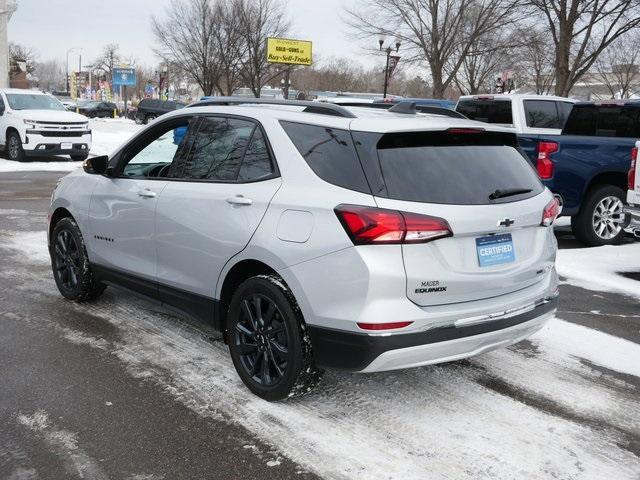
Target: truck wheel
[601,218]
[14,147]
[268,342]
[70,263]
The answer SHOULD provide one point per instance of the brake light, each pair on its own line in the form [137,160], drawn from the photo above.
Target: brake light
[632,170]
[483,97]
[550,213]
[456,131]
[545,165]
[370,225]
[383,326]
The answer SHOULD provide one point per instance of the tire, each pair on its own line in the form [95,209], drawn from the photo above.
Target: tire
[14,148]
[276,338]
[601,219]
[149,118]
[79,158]
[70,263]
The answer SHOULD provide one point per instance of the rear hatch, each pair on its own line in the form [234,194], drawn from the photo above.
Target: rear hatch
[487,192]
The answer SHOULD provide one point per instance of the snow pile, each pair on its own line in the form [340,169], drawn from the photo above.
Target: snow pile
[108,134]
[598,268]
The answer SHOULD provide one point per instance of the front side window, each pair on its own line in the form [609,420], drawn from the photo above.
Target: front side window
[162,154]
[218,148]
[27,101]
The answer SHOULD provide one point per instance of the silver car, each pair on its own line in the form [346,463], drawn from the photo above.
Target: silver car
[315,236]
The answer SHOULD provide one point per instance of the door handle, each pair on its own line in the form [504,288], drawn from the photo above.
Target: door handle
[239,200]
[146,193]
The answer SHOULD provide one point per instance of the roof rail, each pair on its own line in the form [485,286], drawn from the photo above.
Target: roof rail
[311,107]
[407,107]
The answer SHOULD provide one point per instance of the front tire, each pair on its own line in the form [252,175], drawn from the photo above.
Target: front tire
[14,148]
[70,263]
[268,342]
[601,218]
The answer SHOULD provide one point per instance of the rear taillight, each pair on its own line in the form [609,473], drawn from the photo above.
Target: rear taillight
[550,213]
[632,170]
[370,225]
[545,165]
[383,326]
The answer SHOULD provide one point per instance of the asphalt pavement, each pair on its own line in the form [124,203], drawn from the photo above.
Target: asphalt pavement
[73,406]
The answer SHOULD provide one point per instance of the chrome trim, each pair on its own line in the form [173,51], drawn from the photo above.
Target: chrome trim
[512,312]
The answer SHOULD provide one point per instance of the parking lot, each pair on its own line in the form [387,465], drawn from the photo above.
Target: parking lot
[121,389]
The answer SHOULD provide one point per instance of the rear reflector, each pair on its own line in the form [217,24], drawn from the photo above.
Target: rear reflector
[632,170]
[550,213]
[370,225]
[383,326]
[545,165]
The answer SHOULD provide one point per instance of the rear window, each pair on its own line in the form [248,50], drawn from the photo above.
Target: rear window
[445,168]
[604,121]
[488,111]
[330,153]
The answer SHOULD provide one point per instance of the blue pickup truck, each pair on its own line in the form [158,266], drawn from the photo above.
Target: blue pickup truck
[587,166]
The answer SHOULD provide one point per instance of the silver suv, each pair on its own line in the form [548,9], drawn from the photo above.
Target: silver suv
[315,236]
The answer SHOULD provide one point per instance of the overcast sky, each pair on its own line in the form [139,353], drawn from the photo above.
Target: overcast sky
[53,26]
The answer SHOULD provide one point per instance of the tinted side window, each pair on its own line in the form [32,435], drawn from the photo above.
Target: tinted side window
[256,163]
[218,147]
[564,109]
[604,121]
[488,111]
[542,114]
[581,121]
[330,153]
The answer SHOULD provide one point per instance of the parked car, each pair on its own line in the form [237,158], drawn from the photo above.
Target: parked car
[633,193]
[37,124]
[314,238]
[527,114]
[149,109]
[97,109]
[587,167]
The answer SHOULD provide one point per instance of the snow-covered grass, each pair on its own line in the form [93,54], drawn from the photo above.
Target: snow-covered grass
[528,412]
[108,134]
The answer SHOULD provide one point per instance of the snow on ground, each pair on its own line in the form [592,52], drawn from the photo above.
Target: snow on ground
[108,134]
[535,410]
[599,268]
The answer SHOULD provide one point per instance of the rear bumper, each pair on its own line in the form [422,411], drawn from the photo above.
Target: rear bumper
[370,353]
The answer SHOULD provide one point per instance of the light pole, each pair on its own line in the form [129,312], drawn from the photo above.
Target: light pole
[67,69]
[388,51]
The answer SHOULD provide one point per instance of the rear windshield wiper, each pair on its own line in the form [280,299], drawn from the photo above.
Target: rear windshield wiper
[508,192]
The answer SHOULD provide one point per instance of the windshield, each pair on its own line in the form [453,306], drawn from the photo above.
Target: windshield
[25,101]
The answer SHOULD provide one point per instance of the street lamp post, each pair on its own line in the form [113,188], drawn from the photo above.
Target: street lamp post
[67,67]
[388,51]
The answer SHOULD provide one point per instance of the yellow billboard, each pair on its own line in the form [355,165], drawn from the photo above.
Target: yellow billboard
[286,50]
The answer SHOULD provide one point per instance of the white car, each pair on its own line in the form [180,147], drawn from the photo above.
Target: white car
[314,236]
[37,124]
[633,193]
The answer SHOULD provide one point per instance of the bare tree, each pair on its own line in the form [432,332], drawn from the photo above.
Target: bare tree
[50,75]
[108,59]
[258,20]
[186,38]
[21,53]
[485,61]
[230,43]
[581,30]
[438,33]
[534,59]
[618,68]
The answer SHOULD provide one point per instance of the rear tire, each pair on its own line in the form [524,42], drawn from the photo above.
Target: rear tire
[70,263]
[601,219]
[268,342]
[14,148]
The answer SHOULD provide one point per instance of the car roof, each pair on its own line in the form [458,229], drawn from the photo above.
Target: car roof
[362,118]
[510,96]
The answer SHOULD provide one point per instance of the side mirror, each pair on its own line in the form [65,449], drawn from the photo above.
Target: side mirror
[96,165]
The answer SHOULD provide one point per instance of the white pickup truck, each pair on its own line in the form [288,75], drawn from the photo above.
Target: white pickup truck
[35,124]
[633,193]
